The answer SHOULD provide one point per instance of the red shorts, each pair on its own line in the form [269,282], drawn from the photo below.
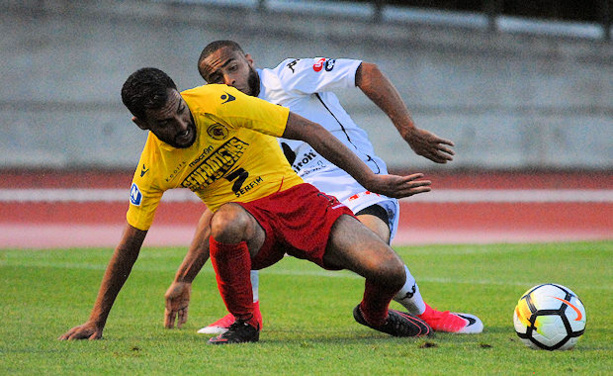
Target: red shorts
[296,221]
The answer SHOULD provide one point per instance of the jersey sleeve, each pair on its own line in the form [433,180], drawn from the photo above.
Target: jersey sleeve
[143,204]
[253,113]
[145,195]
[313,75]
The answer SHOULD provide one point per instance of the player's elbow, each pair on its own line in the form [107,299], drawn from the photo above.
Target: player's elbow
[366,74]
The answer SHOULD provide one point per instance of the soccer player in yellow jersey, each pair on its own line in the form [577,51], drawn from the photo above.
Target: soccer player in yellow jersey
[306,86]
[220,143]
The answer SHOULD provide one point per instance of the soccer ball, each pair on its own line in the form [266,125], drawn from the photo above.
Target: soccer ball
[549,317]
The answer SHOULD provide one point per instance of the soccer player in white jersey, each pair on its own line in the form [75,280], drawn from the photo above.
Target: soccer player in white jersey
[305,86]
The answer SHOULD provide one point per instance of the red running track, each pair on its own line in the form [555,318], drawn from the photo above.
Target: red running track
[99,224]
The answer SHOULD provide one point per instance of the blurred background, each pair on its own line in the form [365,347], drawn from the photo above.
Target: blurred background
[517,85]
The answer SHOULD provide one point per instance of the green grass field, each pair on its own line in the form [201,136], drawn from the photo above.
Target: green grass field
[308,323]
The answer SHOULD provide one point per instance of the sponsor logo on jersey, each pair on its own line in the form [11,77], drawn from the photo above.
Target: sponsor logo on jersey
[291,65]
[323,63]
[135,196]
[227,98]
[248,187]
[306,158]
[217,131]
[215,166]
[330,64]
[319,64]
[176,170]
[205,152]
[143,171]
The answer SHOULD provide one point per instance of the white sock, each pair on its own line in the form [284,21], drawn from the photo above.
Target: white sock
[255,284]
[409,295]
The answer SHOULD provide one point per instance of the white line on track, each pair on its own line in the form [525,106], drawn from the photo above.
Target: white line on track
[293,273]
[515,195]
[85,195]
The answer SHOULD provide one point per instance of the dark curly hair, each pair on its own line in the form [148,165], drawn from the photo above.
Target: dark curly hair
[146,89]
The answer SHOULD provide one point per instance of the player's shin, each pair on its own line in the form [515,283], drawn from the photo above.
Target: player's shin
[232,264]
[409,295]
[374,305]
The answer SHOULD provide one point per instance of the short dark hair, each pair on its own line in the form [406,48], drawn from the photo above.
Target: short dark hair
[146,89]
[216,45]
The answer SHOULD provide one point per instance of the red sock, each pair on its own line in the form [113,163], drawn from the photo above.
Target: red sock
[232,264]
[375,304]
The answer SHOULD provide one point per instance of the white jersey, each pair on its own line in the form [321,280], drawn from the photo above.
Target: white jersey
[305,87]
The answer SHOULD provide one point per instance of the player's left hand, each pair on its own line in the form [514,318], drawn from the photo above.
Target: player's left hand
[177,304]
[89,331]
[429,145]
[397,186]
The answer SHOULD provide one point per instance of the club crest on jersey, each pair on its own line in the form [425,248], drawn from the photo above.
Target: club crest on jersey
[217,131]
[135,196]
[323,63]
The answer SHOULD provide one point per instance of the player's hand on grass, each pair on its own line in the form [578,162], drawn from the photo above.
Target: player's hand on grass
[177,304]
[429,145]
[399,186]
[86,331]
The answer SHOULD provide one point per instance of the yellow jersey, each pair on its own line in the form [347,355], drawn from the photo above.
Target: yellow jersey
[235,157]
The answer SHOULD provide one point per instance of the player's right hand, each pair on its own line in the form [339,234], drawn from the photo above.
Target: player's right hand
[429,145]
[397,186]
[86,331]
[177,304]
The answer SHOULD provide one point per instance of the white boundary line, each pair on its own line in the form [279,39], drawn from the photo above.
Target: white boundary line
[514,195]
[284,272]
[87,195]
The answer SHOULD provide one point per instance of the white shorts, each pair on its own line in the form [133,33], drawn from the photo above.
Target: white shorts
[356,197]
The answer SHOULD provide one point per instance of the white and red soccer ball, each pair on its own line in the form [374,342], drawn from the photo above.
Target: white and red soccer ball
[549,317]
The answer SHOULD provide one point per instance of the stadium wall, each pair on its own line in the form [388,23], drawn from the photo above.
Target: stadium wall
[509,100]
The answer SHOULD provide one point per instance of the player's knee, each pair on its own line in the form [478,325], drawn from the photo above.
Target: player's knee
[384,268]
[228,224]
[392,272]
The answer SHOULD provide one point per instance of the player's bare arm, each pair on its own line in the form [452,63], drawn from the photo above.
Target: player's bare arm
[379,89]
[179,293]
[116,274]
[299,128]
